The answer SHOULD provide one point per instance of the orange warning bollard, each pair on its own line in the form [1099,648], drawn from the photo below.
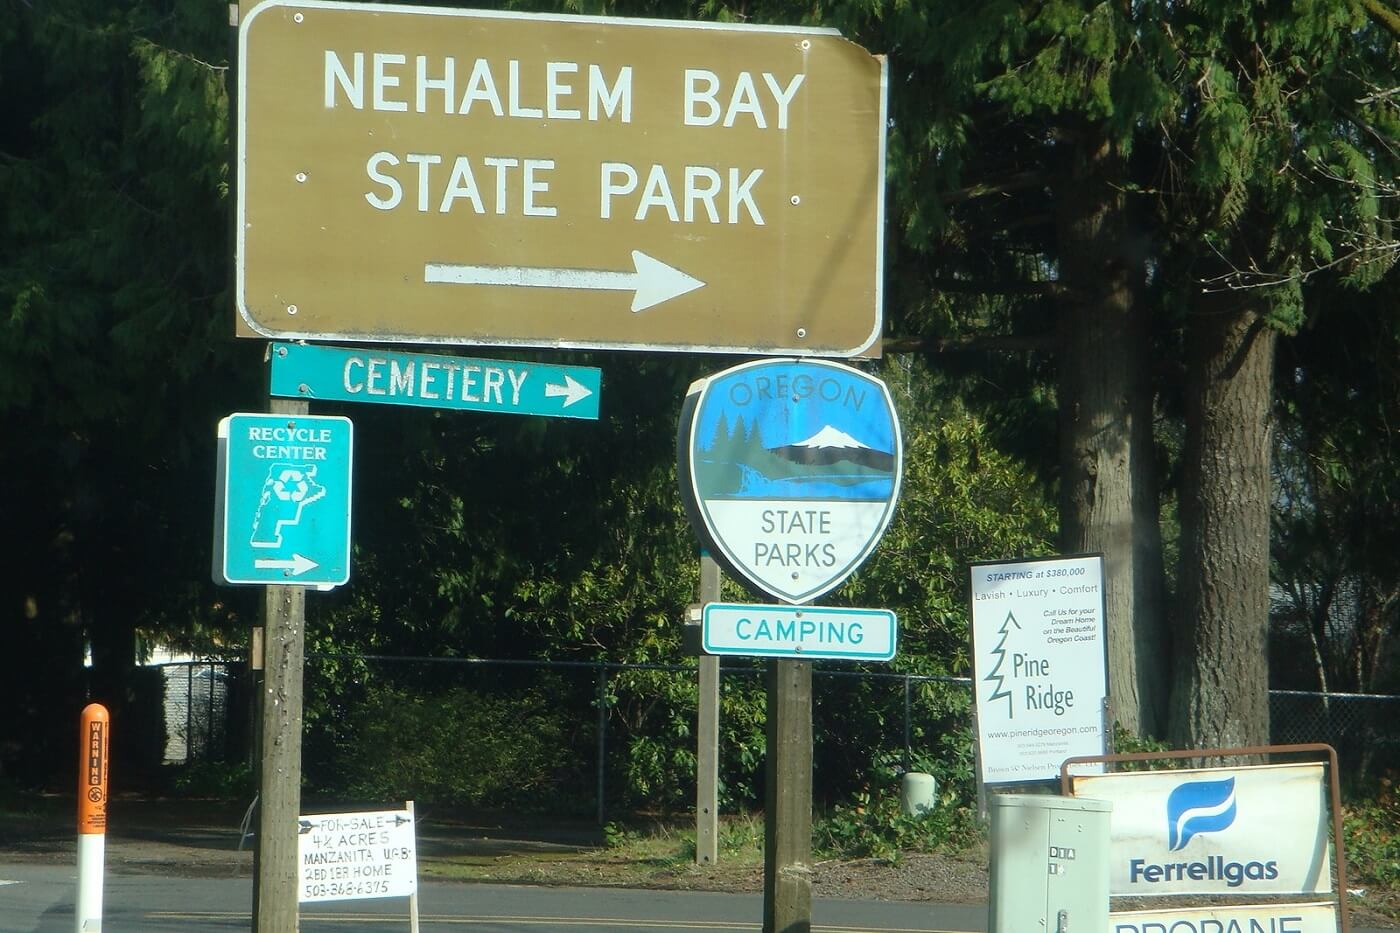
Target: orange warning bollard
[92,770]
[95,738]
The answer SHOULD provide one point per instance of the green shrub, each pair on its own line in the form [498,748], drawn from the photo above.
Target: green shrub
[875,827]
[740,834]
[1129,743]
[1372,831]
[215,779]
[12,798]
[454,747]
[618,835]
[872,825]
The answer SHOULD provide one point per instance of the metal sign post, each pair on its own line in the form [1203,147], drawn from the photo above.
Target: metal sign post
[707,732]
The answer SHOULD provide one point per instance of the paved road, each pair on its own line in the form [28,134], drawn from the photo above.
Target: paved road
[39,899]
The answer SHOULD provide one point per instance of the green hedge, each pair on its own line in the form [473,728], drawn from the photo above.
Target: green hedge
[454,747]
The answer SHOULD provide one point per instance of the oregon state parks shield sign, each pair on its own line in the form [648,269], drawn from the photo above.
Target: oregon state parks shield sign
[790,470]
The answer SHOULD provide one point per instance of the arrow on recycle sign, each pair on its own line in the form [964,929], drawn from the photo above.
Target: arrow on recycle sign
[297,564]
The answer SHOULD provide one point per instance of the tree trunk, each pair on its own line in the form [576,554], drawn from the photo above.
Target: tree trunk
[1108,485]
[1221,694]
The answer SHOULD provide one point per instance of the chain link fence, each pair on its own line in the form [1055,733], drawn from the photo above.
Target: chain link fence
[201,722]
[1364,728]
[594,736]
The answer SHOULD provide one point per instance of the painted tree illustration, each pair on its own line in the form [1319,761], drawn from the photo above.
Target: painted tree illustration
[722,433]
[995,676]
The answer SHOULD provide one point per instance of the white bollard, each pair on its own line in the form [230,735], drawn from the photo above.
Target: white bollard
[918,793]
[92,852]
[92,817]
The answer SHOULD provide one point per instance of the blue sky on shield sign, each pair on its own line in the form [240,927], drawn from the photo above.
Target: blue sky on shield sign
[789,429]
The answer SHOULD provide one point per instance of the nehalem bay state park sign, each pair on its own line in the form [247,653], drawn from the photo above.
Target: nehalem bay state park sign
[431,175]
[790,470]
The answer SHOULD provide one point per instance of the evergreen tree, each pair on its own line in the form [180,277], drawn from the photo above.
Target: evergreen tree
[114,366]
[1175,173]
[1267,178]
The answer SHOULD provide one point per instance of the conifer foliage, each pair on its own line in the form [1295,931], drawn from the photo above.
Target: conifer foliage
[1103,220]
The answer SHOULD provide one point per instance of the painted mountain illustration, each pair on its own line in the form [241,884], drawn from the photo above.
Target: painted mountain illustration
[829,464]
[829,446]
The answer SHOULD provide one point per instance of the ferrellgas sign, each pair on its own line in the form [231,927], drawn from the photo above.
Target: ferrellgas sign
[1253,830]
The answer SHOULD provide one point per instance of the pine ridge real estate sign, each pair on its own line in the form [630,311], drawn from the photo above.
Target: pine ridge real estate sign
[1039,665]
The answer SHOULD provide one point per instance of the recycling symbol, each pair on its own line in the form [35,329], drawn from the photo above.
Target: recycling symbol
[291,486]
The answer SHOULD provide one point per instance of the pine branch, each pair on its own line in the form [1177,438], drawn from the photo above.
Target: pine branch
[1364,250]
[1017,182]
[1383,16]
[1049,289]
[975,343]
[1378,96]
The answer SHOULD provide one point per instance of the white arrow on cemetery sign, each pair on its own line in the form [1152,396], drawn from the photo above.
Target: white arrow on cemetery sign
[571,391]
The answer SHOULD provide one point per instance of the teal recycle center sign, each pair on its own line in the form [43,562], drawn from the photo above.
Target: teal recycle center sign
[282,499]
[790,470]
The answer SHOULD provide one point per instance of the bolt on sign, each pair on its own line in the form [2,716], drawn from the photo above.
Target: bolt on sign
[425,175]
[789,471]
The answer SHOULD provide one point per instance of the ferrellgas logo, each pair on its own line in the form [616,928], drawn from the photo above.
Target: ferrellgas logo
[1195,808]
[1199,807]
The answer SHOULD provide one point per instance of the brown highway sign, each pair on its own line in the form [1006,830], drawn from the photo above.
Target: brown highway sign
[425,175]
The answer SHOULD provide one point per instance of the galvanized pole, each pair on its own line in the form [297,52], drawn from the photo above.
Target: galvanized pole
[209,719]
[189,713]
[707,733]
[255,674]
[787,827]
[907,733]
[602,702]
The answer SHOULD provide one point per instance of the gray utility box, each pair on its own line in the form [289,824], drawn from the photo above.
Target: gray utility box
[1048,864]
